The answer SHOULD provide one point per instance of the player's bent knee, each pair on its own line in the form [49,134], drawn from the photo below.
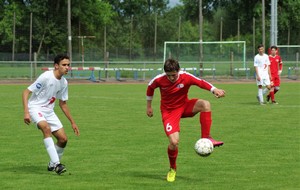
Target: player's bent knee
[203,105]
[62,141]
[174,142]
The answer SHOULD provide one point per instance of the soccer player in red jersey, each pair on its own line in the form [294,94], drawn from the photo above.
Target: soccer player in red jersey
[174,86]
[276,69]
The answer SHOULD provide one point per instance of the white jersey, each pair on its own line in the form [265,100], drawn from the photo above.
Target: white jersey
[262,63]
[46,89]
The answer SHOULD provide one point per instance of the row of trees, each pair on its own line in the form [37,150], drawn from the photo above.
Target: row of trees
[137,28]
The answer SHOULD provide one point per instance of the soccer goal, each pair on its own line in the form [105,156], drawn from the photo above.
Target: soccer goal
[290,55]
[217,58]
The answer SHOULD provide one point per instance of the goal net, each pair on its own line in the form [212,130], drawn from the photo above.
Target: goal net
[219,58]
[290,55]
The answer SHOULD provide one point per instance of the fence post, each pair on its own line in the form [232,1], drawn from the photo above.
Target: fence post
[297,68]
[297,59]
[35,64]
[231,63]
[106,63]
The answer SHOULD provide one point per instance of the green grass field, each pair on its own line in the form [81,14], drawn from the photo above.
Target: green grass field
[121,148]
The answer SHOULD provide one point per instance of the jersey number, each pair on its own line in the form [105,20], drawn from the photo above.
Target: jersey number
[265,66]
[169,127]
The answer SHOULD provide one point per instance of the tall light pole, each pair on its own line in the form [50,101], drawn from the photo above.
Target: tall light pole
[30,38]
[263,23]
[155,36]
[14,37]
[69,31]
[200,36]
[273,29]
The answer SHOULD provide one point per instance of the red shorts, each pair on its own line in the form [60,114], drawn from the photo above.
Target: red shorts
[171,118]
[276,80]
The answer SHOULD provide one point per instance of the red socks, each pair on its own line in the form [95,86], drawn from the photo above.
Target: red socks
[271,94]
[205,121]
[172,157]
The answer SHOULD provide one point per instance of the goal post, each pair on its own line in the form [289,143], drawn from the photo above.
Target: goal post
[220,45]
[290,55]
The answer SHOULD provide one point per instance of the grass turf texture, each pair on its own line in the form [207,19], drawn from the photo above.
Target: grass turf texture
[121,148]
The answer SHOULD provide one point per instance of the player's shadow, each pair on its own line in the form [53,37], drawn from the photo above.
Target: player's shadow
[39,170]
[249,103]
[160,177]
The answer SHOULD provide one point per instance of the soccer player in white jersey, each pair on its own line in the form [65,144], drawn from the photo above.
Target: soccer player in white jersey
[50,86]
[262,70]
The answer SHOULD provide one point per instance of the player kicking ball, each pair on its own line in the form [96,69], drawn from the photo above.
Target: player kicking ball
[49,86]
[174,86]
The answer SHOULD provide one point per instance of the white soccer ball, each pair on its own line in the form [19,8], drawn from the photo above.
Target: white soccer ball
[204,147]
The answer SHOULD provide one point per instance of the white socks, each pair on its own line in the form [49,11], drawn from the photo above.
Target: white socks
[260,95]
[50,147]
[60,151]
[265,90]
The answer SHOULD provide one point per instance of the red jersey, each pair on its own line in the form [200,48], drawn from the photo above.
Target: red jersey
[174,95]
[276,64]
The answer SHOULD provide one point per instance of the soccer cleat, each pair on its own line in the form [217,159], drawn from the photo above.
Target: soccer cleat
[171,175]
[50,168]
[274,102]
[60,168]
[262,103]
[215,143]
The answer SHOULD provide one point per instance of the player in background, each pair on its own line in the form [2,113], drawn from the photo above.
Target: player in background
[174,86]
[276,69]
[262,70]
[48,87]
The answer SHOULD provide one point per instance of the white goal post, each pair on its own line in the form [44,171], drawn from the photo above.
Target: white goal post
[212,42]
[294,48]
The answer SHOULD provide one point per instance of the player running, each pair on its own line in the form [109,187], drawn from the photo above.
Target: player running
[262,70]
[276,69]
[49,86]
[174,86]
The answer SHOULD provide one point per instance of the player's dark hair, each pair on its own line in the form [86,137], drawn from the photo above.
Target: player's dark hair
[274,47]
[171,65]
[260,45]
[60,57]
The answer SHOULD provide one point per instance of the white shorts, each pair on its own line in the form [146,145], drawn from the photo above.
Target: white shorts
[38,115]
[263,81]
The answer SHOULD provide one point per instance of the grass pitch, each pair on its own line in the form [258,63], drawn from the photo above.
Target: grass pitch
[121,148]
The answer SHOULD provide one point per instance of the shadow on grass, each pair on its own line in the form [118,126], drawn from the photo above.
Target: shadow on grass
[29,169]
[159,177]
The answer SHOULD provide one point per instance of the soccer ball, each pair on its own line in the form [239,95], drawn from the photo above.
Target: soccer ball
[204,147]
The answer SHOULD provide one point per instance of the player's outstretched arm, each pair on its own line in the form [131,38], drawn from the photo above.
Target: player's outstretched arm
[219,93]
[64,107]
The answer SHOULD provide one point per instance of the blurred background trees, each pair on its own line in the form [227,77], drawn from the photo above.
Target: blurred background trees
[136,28]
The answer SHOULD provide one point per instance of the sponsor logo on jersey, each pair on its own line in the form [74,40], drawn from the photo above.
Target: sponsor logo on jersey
[38,85]
[180,85]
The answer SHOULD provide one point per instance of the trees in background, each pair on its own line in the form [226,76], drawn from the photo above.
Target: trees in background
[137,28]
